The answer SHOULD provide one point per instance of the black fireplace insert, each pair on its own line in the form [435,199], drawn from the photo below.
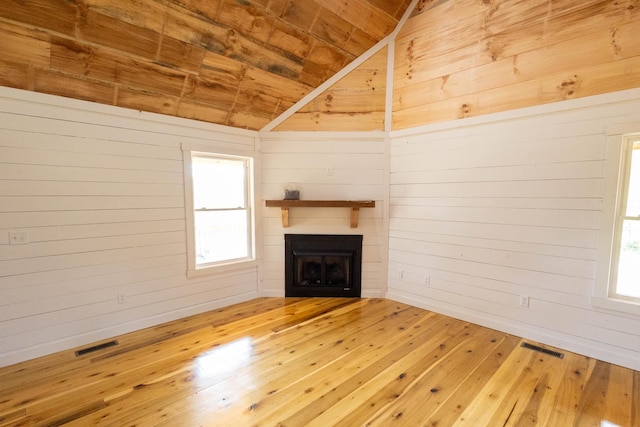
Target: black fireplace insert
[323,265]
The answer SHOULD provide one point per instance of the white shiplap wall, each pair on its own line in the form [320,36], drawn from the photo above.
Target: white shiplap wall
[99,192]
[351,166]
[490,209]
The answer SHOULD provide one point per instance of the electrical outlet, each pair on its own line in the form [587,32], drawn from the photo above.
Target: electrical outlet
[400,274]
[18,238]
[524,301]
[329,171]
[427,280]
[121,299]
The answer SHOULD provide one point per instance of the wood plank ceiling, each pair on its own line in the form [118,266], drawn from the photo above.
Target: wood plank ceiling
[238,63]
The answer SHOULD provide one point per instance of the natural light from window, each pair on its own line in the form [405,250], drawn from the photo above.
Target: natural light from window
[224,359]
[628,269]
[220,376]
[221,214]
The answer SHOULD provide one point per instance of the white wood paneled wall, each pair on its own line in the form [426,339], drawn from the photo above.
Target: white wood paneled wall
[334,166]
[99,192]
[486,210]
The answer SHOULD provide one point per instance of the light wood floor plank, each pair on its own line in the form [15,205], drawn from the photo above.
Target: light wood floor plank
[318,362]
[435,384]
[210,370]
[393,362]
[618,403]
[354,404]
[448,411]
[567,395]
[277,384]
[521,404]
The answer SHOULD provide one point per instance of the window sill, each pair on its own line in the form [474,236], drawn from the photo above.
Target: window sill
[617,305]
[222,268]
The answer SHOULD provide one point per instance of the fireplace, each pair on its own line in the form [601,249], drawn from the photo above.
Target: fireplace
[323,265]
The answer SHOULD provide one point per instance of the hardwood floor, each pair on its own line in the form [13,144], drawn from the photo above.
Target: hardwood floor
[318,362]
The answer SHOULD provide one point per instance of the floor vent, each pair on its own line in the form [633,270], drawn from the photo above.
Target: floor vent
[96,348]
[543,350]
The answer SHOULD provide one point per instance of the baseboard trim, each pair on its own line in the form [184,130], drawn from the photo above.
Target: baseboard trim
[562,341]
[69,343]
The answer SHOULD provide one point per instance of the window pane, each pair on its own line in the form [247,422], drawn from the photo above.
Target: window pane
[221,235]
[628,283]
[218,183]
[633,198]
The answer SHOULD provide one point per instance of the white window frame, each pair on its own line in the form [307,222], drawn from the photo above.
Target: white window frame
[616,172]
[193,269]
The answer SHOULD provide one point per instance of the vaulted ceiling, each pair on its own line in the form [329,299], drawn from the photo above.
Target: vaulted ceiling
[238,63]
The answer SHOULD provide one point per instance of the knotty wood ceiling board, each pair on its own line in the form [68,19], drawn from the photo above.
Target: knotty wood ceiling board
[463,58]
[239,63]
[355,103]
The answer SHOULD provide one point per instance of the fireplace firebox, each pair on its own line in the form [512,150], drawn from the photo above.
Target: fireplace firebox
[323,265]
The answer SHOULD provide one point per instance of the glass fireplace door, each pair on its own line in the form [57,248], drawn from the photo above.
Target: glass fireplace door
[323,265]
[327,269]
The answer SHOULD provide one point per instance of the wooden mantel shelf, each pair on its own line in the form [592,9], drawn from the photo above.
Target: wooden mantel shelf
[354,205]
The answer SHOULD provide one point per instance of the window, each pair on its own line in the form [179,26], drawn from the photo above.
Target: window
[625,268]
[617,284]
[219,202]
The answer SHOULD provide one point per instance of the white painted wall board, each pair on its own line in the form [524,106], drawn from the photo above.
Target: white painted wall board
[82,114]
[505,245]
[62,288]
[71,217]
[577,170]
[490,155]
[335,142]
[566,203]
[87,174]
[357,172]
[574,150]
[526,233]
[506,205]
[99,192]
